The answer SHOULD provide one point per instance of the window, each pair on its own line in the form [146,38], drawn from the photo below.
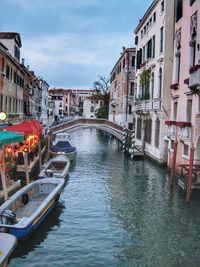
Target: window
[153,47]
[123,63]
[154,17]
[132,88]
[133,61]
[162,6]
[60,111]
[191,2]
[178,10]
[172,144]
[160,83]
[139,58]
[178,56]
[175,111]
[149,48]
[129,109]
[157,132]
[193,38]
[141,34]
[3,64]
[143,54]
[185,150]
[189,110]
[161,39]
[92,109]
[7,71]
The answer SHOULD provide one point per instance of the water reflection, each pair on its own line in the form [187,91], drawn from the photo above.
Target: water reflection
[50,224]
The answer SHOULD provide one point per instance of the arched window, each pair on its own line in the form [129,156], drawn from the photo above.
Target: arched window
[160,82]
[91,109]
[139,128]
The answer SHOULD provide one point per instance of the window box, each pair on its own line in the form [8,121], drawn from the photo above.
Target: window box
[174,86]
[194,68]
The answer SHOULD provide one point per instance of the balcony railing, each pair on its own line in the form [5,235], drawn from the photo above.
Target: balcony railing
[194,77]
[151,104]
[181,128]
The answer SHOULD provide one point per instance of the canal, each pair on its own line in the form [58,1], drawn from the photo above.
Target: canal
[115,212]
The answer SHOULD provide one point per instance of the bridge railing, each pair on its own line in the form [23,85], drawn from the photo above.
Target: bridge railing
[84,121]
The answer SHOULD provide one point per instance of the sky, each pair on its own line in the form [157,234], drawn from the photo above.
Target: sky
[70,43]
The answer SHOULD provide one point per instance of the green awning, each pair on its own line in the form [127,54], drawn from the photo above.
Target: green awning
[10,138]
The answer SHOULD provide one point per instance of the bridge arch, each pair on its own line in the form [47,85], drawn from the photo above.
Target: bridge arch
[101,124]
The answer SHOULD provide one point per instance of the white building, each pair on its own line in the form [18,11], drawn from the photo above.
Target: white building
[90,106]
[154,53]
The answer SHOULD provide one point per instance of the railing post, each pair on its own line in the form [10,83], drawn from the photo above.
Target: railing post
[189,181]
[171,179]
[132,143]
[124,139]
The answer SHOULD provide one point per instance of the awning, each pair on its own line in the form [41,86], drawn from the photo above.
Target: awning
[10,138]
[26,127]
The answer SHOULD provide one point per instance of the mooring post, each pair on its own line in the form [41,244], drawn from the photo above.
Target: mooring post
[132,142]
[189,181]
[171,179]
[124,139]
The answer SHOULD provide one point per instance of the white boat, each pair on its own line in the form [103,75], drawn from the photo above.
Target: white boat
[62,145]
[57,167]
[23,212]
[7,244]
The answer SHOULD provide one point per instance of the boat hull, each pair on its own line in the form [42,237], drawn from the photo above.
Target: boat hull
[7,244]
[70,155]
[35,201]
[23,233]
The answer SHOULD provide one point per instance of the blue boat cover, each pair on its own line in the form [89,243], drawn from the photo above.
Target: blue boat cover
[63,146]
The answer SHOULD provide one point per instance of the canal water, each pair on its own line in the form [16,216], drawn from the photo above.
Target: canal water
[115,212]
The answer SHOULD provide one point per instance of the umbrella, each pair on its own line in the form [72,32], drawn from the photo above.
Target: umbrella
[9,138]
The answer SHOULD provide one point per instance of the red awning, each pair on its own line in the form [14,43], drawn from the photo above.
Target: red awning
[26,127]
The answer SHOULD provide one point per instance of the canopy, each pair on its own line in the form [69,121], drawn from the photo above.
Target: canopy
[26,127]
[9,138]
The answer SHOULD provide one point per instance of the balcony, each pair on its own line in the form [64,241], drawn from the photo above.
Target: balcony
[151,104]
[181,128]
[194,78]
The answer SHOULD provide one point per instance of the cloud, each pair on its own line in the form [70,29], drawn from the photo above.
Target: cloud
[71,49]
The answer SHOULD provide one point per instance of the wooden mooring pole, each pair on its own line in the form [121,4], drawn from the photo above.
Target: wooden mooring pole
[171,178]
[189,181]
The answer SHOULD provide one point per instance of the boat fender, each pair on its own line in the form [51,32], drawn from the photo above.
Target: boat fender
[25,198]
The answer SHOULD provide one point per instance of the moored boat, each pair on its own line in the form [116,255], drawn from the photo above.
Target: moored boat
[7,244]
[57,166]
[63,145]
[22,213]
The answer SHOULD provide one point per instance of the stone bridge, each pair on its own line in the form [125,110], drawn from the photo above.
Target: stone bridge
[102,124]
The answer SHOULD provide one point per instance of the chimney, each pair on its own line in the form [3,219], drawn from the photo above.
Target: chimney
[123,48]
[23,61]
[27,67]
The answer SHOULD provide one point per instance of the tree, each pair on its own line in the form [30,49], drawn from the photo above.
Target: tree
[101,88]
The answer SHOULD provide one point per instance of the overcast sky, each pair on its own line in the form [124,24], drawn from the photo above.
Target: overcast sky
[71,42]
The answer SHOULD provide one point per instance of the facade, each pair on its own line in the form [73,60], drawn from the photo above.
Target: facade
[122,87]
[12,83]
[57,97]
[22,93]
[184,125]
[154,52]
[81,96]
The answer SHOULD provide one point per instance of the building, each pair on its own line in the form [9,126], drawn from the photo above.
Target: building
[183,130]
[82,94]
[122,87]
[90,105]
[154,53]
[11,84]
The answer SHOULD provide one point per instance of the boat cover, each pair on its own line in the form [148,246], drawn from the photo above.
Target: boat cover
[63,146]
